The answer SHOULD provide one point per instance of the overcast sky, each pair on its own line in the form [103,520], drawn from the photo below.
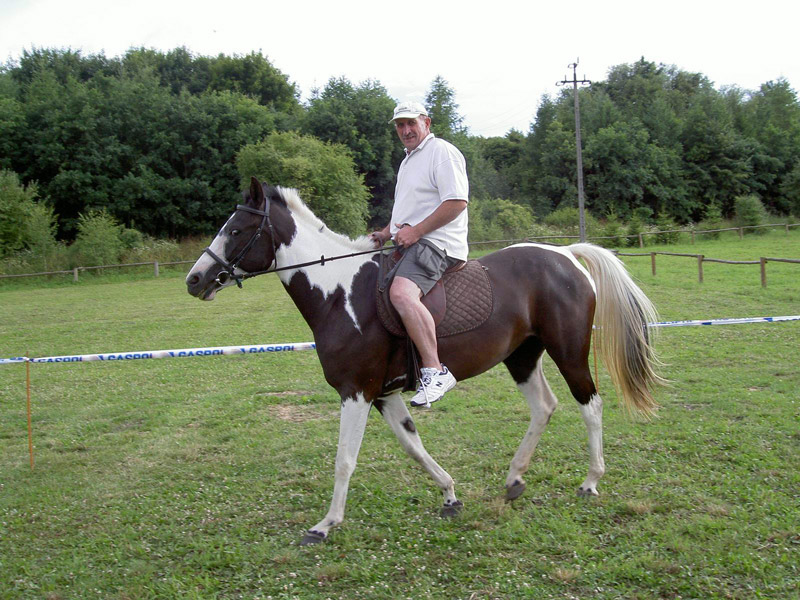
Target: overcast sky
[500,57]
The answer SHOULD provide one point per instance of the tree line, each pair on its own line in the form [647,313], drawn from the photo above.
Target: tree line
[162,141]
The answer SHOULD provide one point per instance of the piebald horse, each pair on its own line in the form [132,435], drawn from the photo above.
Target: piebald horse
[544,300]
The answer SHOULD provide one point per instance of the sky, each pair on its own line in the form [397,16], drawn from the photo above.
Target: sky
[499,57]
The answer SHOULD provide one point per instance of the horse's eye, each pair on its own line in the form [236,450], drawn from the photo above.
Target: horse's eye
[235,232]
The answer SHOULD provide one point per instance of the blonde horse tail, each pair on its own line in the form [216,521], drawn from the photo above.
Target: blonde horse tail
[622,337]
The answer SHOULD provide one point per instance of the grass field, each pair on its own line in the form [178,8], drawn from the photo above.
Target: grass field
[196,477]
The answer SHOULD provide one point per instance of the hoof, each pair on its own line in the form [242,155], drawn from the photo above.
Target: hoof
[312,537]
[451,510]
[514,491]
[587,492]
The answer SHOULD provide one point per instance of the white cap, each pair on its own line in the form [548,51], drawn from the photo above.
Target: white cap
[408,110]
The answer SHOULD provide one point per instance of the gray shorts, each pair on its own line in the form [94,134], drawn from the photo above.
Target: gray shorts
[424,264]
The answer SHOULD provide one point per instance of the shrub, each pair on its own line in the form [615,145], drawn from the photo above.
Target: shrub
[131,238]
[712,219]
[151,249]
[567,221]
[99,240]
[612,233]
[749,211]
[23,221]
[539,230]
[667,233]
[640,217]
[513,219]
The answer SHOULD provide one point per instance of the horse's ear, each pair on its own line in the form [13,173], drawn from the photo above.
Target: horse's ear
[256,193]
[273,194]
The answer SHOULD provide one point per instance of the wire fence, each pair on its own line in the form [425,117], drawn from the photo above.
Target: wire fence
[156,265]
[74,271]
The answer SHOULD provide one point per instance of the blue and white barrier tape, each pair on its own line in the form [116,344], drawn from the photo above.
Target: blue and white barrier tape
[292,347]
[219,351]
[725,321]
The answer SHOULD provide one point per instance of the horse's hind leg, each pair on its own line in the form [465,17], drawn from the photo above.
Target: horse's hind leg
[592,413]
[525,366]
[573,362]
[396,413]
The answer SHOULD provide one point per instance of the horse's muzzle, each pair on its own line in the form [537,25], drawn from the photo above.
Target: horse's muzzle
[196,288]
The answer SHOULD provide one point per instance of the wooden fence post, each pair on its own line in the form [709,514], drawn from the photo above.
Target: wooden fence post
[741,233]
[653,262]
[763,271]
[700,258]
[75,274]
[641,241]
[155,268]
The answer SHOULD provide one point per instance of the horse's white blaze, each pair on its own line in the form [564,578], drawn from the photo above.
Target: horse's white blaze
[566,254]
[217,246]
[205,262]
[311,241]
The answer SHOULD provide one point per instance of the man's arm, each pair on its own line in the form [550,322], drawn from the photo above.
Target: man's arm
[447,211]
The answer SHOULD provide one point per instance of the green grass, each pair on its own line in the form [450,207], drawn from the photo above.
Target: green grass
[196,477]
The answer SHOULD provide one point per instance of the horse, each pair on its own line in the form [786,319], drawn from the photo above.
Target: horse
[544,300]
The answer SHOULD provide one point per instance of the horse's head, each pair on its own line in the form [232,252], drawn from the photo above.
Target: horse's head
[245,245]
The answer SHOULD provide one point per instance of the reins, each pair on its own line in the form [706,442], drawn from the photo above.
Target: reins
[229,268]
[321,261]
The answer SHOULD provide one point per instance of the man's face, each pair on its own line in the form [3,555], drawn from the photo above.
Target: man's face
[412,131]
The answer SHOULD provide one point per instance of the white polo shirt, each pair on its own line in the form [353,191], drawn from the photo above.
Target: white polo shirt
[432,173]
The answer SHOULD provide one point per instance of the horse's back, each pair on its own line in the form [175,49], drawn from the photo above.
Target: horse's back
[541,273]
[538,291]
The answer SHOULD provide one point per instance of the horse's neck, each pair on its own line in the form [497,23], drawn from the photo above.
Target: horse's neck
[321,292]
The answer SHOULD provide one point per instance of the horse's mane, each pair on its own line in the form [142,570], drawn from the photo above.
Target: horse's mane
[302,212]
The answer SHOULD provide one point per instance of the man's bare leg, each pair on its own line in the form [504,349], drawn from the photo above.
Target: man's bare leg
[406,297]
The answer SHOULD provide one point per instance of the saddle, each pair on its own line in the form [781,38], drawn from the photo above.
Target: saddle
[460,301]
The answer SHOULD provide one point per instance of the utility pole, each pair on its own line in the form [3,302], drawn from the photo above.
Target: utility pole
[575,82]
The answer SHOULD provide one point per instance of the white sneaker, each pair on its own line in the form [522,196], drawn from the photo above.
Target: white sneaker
[432,386]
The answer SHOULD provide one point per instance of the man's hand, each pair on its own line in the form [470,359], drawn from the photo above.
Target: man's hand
[407,235]
[379,238]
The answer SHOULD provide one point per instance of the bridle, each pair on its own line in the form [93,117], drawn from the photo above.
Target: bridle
[229,269]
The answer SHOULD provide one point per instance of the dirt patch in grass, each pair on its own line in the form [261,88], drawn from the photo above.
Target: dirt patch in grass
[294,413]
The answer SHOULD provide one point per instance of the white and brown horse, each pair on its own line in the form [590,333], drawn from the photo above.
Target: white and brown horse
[544,300]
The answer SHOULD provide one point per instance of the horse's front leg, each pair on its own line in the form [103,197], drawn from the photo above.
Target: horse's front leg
[352,422]
[396,413]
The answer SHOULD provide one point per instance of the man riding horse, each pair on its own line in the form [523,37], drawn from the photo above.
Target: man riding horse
[429,223]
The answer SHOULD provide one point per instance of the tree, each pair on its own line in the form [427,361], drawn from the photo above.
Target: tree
[446,122]
[254,76]
[156,160]
[770,121]
[357,116]
[324,175]
[14,203]
[25,223]
[505,155]
[12,128]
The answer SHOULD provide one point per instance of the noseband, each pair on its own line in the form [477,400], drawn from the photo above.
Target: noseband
[229,269]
